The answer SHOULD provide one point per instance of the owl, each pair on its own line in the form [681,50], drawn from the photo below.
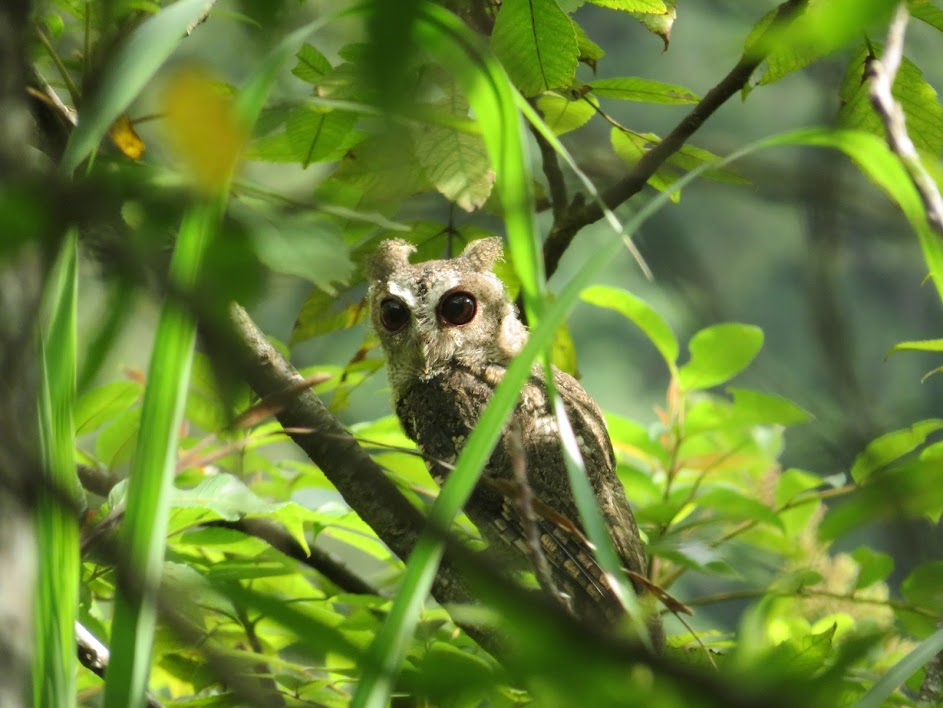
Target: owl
[449,332]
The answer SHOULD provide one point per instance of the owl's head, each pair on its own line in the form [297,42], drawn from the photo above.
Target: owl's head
[437,315]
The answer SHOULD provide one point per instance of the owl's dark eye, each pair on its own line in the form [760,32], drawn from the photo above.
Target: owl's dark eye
[394,315]
[457,308]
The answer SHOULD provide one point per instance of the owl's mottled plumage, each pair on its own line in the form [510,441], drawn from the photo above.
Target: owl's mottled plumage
[445,357]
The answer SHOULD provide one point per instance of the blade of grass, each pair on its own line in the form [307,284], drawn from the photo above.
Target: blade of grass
[128,71]
[152,470]
[902,670]
[57,530]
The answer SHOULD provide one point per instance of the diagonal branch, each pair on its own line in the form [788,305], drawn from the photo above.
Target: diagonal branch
[881,75]
[582,214]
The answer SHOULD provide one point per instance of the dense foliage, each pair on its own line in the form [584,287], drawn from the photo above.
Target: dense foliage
[224,567]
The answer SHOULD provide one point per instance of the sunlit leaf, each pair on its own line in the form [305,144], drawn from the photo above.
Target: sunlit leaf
[718,353]
[536,43]
[873,566]
[642,90]
[890,447]
[564,114]
[640,313]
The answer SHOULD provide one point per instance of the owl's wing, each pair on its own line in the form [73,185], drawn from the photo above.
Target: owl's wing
[589,427]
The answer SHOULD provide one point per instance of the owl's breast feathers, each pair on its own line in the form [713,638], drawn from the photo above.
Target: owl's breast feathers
[439,415]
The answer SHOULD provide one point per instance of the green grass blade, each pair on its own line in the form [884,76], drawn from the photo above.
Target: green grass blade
[902,670]
[152,470]
[129,70]
[57,530]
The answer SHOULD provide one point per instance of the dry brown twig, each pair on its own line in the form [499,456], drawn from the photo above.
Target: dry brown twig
[881,75]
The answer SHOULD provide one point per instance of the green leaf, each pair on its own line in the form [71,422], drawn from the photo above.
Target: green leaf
[822,28]
[536,43]
[873,566]
[924,345]
[129,70]
[563,114]
[767,408]
[718,353]
[104,404]
[312,249]
[456,162]
[590,52]
[640,313]
[926,11]
[316,135]
[644,6]
[924,586]
[312,65]
[319,316]
[643,90]
[660,23]
[905,491]
[922,108]
[731,504]
[892,446]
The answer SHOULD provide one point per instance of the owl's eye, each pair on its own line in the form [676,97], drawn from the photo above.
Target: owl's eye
[457,308]
[394,315]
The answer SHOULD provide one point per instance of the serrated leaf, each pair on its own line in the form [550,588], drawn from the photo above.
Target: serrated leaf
[643,6]
[718,353]
[873,566]
[563,114]
[640,313]
[317,316]
[892,446]
[312,65]
[456,162]
[590,52]
[660,23]
[918,98]
[316,135]
[632,88]
[536,43]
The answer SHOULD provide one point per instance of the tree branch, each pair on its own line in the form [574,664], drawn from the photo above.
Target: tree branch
[94,656]
[579,215]
[881,75]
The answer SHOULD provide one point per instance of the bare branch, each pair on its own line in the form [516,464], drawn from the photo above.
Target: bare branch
[579,215]
[94,656]
[553,173]
[881,75]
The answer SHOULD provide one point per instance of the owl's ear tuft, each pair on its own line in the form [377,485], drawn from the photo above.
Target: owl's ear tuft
[390,256]
[481,255]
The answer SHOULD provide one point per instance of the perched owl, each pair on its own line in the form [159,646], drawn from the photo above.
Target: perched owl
[449,332]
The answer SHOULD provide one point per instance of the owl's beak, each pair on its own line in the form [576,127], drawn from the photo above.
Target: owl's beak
[424,359]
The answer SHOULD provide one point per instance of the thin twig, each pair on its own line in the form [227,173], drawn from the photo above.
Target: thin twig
[525,501]
[94,656]
[881,75]
[581,214]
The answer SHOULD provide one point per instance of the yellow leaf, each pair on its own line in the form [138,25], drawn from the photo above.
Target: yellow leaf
[202,128]
[125,138]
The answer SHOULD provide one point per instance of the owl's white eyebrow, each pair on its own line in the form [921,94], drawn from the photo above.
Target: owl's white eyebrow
[402,293]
